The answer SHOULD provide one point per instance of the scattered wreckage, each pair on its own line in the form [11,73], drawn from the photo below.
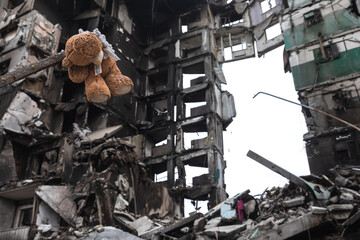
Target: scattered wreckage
[67,173]
[109,196]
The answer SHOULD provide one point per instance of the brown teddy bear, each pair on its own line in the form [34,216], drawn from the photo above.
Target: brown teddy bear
[90,58]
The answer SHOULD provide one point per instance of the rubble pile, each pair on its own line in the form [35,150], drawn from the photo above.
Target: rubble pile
[326,210]
[106,187]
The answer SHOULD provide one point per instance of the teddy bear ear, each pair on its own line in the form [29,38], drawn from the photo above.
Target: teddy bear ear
[66,63]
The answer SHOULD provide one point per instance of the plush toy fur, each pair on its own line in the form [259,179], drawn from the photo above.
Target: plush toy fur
[81,50]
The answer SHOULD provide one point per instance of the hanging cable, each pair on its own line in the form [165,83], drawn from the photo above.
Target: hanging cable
[311,108]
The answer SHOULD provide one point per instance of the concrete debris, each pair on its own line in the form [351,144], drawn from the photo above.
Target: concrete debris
[70,169]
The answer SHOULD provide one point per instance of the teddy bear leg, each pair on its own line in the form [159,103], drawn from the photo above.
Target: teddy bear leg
[96,89]
[118,83]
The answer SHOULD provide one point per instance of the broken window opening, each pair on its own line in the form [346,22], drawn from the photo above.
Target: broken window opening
[346,99]
[193,172]
[228,54]
[191,206]
[233,46]
[163,142]
[160,110]
[161,177]
[273,31]
[227,22]
[313,17]
[23,216]
[189,46]
[190,20]
[175,113]
[331,52]
[44,163]
[190,106]
[184,28]
[267,5]
[195,140]
[4,67]
[157,57]
[158,81]
[188,78]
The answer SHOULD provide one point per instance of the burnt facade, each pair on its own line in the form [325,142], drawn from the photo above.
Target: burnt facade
[53,139]
[102,162]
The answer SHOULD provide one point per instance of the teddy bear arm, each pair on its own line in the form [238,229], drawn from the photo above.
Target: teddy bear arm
[78,74]
[66,63]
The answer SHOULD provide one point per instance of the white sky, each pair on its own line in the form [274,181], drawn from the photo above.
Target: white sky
[268,126]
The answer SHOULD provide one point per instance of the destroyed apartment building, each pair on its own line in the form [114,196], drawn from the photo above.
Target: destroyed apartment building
[72,169]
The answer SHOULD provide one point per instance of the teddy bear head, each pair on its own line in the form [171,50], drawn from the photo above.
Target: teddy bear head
[82,49]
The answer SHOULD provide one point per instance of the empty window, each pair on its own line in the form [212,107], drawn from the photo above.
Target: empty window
[326,54]
[164,142]
[190,20]
[312,17]
[267,5]
[161,177]
[273,31]
[193,138]
[227,53]
[23,216]
[190,106]
[187,78]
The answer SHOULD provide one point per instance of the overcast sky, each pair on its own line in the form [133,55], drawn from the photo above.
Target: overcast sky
[270,127]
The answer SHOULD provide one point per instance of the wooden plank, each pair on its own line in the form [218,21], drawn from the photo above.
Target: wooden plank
[23,72]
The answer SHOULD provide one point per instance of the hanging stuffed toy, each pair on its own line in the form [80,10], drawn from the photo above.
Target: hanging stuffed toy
[90,58]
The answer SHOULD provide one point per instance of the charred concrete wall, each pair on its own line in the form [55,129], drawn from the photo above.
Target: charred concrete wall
[175,116]
[56,145]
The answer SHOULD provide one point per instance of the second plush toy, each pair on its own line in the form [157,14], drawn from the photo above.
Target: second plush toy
[90,58]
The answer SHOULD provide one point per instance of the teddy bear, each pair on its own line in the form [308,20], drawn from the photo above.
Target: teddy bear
[91,59]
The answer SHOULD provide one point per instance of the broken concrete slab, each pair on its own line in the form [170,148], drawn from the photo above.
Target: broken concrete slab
[143,225]
[60,199]
[293,202]
[103,133]
[318,210]
[120,204]
[225,231]
[21,111]
[111,233]
[213,222]
[292,228]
